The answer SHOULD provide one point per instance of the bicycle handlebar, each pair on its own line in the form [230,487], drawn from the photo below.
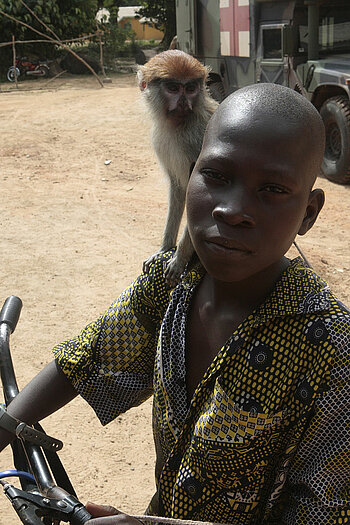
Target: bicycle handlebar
[10,312]
[47,499]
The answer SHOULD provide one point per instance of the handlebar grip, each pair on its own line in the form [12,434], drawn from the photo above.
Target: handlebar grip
[10,311]
[81,516]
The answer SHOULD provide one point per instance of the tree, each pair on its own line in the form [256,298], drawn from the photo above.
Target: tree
[163,14]
[67,18]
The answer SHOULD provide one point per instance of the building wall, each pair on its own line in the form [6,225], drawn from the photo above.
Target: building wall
[142,31]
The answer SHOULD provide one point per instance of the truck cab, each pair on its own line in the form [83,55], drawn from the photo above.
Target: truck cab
[302,44]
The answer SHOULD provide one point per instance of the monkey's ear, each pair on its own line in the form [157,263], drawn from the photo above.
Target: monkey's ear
[142,83]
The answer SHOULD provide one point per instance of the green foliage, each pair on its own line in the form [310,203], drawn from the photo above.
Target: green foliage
[116,42]
[119,3]
[67,18]
[163,14]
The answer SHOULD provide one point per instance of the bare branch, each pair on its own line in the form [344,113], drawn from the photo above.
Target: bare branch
[92,35]
[54,41]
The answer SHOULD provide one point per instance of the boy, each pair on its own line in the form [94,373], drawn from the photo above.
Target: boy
[246,356]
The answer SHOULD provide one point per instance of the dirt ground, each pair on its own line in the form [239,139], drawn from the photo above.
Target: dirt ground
[74,232]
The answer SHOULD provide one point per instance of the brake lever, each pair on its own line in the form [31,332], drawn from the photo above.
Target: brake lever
[26,432]
[31,507]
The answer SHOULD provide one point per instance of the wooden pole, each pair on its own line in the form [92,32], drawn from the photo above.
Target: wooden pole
[101,52]
[14,60]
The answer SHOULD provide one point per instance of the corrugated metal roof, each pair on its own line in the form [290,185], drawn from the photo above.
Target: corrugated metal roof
[127,12]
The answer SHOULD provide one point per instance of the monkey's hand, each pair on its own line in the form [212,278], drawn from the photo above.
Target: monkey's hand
[174,269]
[148,262]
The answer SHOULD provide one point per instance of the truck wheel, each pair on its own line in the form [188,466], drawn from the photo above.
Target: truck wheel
[335,113]
[217,91]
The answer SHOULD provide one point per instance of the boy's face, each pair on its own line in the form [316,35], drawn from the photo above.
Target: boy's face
[249,195]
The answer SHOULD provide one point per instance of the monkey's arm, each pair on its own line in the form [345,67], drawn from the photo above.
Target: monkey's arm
[177,264]
[176,207]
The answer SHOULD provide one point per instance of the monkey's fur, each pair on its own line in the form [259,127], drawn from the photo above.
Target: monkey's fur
[176,140]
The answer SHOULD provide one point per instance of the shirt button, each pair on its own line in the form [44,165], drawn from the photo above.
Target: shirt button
[316,332]
[304,392]
[260,357]
[193,487]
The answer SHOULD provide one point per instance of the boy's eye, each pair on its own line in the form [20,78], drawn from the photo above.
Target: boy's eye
[273,188]
[214,176]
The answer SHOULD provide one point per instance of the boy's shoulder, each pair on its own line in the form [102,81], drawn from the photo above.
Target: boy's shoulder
[319,295]
[320,306]
[154,278]
[302,292]
[149,293]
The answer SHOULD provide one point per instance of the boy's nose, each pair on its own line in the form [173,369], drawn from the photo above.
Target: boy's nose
[234,209]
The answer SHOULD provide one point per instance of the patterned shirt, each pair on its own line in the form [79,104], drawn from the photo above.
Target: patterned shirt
[266,437]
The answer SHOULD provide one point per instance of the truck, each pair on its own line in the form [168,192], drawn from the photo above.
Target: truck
[302,44]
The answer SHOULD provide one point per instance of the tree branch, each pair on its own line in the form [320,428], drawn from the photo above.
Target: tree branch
[54,41]
[40,21]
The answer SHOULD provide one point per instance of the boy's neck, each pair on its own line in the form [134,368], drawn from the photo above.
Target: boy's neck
[216,311]
[248,294]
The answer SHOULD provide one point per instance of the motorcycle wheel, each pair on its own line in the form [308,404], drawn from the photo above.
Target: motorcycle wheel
[11,74]
[44,70]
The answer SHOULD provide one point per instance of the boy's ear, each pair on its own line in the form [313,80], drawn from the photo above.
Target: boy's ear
[314,206]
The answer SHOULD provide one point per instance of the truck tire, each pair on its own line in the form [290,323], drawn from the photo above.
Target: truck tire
[335,113]
[217,91]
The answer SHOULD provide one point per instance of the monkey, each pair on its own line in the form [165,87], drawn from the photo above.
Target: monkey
[173,85]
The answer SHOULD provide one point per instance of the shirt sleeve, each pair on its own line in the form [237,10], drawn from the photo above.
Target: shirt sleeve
[319,478]
[110,363]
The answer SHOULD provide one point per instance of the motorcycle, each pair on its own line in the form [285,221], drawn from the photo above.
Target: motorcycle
[26,66]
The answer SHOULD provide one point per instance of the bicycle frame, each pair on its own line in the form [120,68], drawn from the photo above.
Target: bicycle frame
[41,500]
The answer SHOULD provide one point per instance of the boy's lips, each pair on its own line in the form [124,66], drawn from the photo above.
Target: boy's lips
[227,244]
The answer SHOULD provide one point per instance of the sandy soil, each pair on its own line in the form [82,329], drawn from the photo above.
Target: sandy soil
[74,233]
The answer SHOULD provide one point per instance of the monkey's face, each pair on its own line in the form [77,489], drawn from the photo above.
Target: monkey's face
[179,97]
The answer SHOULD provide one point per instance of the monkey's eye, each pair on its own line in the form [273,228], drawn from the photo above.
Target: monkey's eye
[191,87]
[173,87]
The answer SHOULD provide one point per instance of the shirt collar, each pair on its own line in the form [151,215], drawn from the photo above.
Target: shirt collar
[298,291]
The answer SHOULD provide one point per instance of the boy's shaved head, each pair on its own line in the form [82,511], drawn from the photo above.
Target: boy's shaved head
[251,189]
[274,108]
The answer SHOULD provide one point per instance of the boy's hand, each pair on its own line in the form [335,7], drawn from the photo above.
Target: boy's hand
[107,515]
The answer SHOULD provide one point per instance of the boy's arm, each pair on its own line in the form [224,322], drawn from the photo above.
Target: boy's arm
[46,393]
[110,363]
